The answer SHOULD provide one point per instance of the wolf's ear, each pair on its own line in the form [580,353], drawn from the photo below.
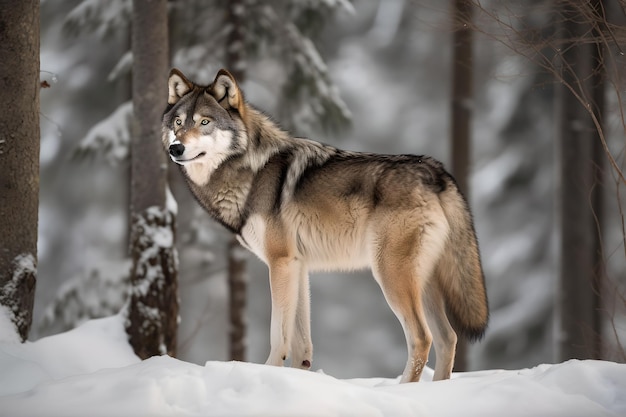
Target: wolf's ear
[178,85]
[226,91]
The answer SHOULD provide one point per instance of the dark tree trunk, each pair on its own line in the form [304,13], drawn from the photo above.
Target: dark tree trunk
[461,115]
[153,309]
[579,296]
[462,92]
[237,284]
[237,279]
[235,46]
[598,167]
[19,158]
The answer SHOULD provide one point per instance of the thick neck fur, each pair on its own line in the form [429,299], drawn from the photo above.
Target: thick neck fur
[224,188]
[265,137]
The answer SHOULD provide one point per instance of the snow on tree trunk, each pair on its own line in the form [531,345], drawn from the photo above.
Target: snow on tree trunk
[153,310]
[18,293]
[19,159]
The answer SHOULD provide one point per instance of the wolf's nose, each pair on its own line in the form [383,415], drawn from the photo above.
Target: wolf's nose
[177,149]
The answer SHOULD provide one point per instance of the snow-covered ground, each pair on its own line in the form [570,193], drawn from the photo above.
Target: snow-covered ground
[92,371]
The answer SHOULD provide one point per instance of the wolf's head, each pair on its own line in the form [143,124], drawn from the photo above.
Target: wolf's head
[203,125]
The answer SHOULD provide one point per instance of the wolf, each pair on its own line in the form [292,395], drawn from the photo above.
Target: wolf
[303,206]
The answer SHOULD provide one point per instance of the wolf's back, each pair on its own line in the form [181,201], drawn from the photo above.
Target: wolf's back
[459,269]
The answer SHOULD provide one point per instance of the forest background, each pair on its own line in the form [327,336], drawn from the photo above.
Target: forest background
[387,83]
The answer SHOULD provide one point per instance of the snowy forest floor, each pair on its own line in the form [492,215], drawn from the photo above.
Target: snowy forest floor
[92,371]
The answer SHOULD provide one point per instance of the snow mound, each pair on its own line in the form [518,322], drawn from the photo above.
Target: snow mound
[92,371]
[95,345]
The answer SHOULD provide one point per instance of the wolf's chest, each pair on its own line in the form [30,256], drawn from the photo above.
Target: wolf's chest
[319,244]
[224,199]
[252,236]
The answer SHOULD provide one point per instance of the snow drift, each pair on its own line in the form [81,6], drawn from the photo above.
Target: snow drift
[92,371]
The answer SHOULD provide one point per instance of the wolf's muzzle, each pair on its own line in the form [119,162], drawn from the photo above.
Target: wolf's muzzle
[177,150]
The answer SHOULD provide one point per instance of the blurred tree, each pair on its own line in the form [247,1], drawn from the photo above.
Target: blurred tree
[237,296]
[237,278]
[19,159]
[153,309]
[78,99]
[571,50]
[461,116]
[286,32]
[579,100]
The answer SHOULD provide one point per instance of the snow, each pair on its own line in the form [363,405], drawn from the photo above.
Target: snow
[25,264]
[154,233]
[92,370]
[96,293]
[110,137]
[24,272]
[170,201]
[8,331]
[98,16]
[123,67]
[162,236]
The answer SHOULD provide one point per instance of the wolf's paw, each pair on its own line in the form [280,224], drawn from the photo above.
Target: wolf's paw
[276,360]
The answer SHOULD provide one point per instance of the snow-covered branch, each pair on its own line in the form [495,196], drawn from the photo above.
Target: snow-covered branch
[110,138]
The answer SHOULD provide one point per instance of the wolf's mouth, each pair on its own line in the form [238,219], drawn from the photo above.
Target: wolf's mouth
[184,161]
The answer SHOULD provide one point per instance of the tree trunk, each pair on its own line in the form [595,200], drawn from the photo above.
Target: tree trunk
[153,311]
[237,285]
[237,279]
[578,303]
[460,117]
[598,83]
[235,52]
[19,159]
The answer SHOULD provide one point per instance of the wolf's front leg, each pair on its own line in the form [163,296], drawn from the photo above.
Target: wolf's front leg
[284,283]
[301,345]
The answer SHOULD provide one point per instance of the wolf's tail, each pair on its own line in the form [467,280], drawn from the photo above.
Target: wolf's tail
[459,269]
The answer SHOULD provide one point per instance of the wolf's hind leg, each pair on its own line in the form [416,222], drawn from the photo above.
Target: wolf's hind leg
[444,336]
[284,283]
[400,284]
[301,345]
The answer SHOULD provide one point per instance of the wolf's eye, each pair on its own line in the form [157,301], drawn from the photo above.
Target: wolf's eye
[204,122]
[178,121]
